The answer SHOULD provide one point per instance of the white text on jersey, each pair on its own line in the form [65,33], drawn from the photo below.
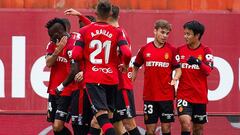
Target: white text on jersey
[62,59]
[185,65]
[156,64]
[102,32]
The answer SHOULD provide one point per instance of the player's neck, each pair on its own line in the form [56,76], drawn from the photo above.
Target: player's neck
[101,20]
[114,23]
[194,45]
[157,44]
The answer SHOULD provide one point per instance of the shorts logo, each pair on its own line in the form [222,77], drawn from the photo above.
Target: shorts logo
[166,56]
[200,117]
[129,112]
[61,113]
[80,119]
[50,106]
[94,108]
[167,115]
[121,112]
[180,109]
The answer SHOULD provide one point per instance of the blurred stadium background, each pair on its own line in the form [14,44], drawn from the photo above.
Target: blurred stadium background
[24,77]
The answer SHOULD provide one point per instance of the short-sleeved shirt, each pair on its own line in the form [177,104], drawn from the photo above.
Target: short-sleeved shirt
[158,66]
[60,69]
[193,82]
[99,42]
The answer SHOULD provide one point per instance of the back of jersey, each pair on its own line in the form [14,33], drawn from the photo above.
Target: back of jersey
[100,42]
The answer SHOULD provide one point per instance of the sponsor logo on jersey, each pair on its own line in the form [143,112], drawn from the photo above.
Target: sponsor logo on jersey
[100,69]
[187,66]
[156,64]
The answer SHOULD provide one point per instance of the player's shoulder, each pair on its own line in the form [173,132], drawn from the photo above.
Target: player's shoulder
[50,44]
[183,46]
[74,33]
[87,27]
[169,45]
[206,49]
[121,29]
[147,46]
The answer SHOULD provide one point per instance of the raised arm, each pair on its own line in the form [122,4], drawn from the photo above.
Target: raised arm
[52,57]
[81,17]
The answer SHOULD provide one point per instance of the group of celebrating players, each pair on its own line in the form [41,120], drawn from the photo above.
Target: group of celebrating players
[91,81]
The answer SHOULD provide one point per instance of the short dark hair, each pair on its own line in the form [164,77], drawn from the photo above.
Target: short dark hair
[196,27]
[104,9]
[91,18]
[164,24]
[53,21]
[115,12]
[67,23]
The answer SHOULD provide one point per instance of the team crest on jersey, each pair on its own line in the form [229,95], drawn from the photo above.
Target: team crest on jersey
[148,54]
[200,57]
[166,56]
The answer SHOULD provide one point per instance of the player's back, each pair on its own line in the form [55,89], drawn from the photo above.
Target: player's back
[100,53]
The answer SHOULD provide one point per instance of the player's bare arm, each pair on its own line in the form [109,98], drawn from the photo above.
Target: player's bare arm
[134,73]
[50,59]
[73,71]
[178,73]
[81,17]
[72,12]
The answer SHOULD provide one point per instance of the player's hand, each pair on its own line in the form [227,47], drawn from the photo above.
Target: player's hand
[59,89]
[173,82]
[72,12]
[134,76]
[192,60]
[79,76]
[123,68]
[60,45]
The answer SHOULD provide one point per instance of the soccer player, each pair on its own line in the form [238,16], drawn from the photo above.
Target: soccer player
[124,114]
[196,63]
[81,108]
[158,58]
[57,58]
[98,48]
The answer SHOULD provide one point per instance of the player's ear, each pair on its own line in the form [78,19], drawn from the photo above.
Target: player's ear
[197,36]
[155,31]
